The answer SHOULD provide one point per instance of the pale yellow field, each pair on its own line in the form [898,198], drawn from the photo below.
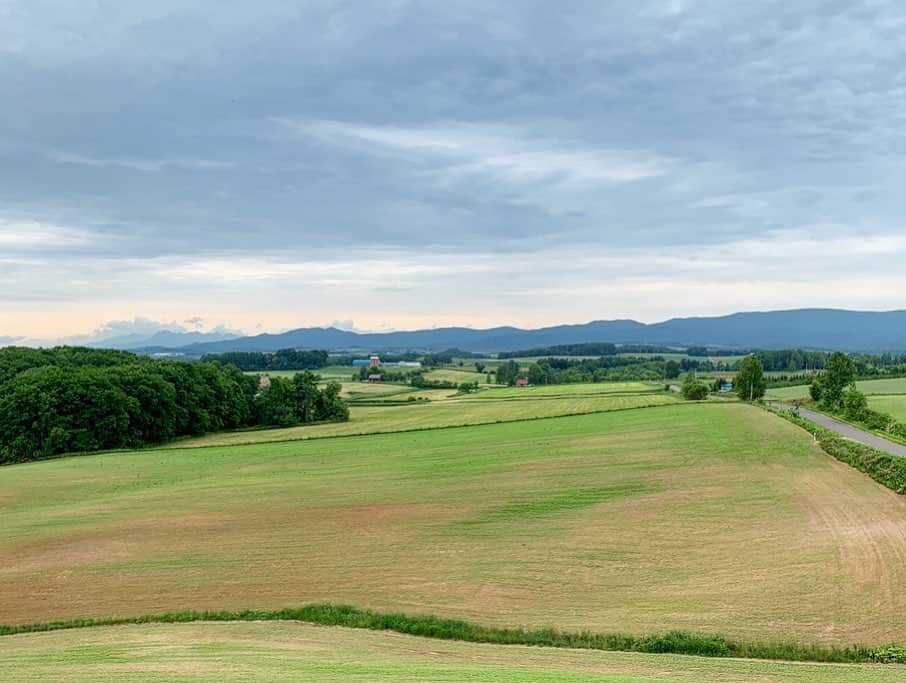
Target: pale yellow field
[290,651]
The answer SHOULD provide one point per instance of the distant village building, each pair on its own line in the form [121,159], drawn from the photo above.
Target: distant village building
[376,362]
[521,382]
[374,378]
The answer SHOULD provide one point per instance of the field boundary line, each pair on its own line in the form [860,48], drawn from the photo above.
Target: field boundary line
[401,431]
[670,642]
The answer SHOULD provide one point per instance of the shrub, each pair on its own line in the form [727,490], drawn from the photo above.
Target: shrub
[889,654]
[855,404]
[693,390]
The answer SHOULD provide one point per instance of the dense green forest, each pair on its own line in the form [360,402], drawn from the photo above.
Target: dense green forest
[71,399]
[285,359]
[571,371]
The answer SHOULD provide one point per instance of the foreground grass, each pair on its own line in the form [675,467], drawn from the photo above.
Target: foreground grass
[290,651]
[489,406]
[716,518]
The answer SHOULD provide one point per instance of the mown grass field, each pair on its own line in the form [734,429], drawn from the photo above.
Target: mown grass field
[710,518]
[446,409]
[457,375]
[288,651]
[339,373]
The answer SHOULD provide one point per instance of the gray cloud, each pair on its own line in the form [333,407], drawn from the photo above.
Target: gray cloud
[145,143]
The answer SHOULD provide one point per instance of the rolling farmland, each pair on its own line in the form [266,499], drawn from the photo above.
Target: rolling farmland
[446,410]
[621,521]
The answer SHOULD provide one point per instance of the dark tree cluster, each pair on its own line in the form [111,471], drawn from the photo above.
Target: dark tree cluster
[694,389]
[437,358]
[69,399]
[587,349]
[830,387]
[786,360]
[749,383]
[285,359]
[508,373]
[390,374]
[300,400]
[603,369]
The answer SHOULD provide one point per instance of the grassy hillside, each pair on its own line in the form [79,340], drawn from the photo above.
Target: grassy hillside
[289,651]
[710,518]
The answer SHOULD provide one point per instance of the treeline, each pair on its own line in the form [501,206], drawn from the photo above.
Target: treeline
[69,399]
[589,349]
[576,371]
[285,359]
[785,360]
[835,391]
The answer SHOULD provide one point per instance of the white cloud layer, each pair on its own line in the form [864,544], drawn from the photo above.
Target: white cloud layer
[416,163]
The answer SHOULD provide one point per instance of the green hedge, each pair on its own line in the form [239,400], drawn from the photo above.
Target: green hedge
[675,642]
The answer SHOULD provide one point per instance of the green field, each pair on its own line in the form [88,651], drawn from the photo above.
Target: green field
[339,373]
[710,518]
[894,405]
[457,375]
[869,386]
[289,651]
[446,409]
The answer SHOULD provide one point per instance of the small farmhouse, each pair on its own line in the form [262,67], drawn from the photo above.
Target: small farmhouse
[521,382]
[374,378]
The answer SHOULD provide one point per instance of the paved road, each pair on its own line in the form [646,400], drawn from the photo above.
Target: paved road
[847,431]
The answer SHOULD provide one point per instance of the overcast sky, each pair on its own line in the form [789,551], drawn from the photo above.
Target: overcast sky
[275,164]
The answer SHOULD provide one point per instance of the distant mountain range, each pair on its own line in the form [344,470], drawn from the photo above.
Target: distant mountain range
[162,339]
[803,328]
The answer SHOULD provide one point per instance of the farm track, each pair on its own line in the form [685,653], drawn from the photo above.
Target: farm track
[848,431]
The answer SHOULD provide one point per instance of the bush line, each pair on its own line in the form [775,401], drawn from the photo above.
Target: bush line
[672,642]
[885,468]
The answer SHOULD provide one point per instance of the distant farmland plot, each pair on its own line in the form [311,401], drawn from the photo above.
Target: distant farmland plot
[710,517]
[492,405]
[284,651]
[559,390]
[457,375]
[893,405]
[870,386]
[331,372]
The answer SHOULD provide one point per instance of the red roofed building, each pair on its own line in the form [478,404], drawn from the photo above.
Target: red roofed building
[521,382]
